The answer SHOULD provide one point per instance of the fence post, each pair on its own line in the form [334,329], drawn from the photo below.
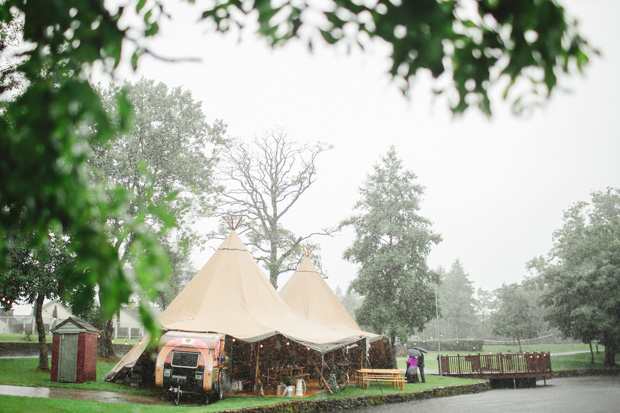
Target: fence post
[501,363]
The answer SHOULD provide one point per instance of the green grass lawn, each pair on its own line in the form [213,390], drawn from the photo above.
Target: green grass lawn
[20,404]
[581,361]
[24,372]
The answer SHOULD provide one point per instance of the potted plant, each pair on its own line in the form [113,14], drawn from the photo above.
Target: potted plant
[290,385]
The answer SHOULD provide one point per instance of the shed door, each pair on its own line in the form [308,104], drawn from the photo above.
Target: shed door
[67,358]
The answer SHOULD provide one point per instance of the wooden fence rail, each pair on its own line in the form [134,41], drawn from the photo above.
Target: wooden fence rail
[496,365]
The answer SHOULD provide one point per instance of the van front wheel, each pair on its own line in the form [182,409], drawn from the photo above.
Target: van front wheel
[218,394]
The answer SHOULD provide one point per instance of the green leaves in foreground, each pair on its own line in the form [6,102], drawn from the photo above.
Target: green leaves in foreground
[43,142]
[468,47]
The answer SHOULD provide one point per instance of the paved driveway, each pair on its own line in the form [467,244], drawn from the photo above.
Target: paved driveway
[579,394]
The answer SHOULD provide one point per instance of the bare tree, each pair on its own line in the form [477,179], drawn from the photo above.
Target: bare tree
[263,182]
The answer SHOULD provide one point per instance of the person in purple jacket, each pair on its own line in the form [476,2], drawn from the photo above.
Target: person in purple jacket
[412,370]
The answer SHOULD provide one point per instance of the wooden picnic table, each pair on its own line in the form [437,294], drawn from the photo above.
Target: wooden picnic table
[395,376]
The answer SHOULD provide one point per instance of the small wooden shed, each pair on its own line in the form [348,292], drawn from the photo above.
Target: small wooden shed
[74,352]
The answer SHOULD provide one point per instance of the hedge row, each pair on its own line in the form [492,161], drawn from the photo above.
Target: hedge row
[449,345]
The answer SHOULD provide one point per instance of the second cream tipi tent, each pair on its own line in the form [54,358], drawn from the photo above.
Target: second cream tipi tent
[307,293]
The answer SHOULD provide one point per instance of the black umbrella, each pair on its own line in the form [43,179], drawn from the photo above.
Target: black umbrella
[420,348]
[414,352]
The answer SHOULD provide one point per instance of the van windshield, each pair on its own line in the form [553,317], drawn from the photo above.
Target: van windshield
[184,359]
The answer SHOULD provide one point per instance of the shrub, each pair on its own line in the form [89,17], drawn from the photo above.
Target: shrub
[449,345]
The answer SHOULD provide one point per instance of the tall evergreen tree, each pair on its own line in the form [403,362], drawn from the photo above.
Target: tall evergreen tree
[483,305]
[391,246]
[457,302]
[517,316]
[350,301]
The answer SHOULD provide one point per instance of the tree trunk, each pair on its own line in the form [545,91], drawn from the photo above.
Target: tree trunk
[519,341]
[104,344]
[38,310]
[591,354]
[273,258]
[391,353]
[610,354]
[273,278]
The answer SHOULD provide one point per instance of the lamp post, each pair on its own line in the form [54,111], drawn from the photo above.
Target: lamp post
[437,327]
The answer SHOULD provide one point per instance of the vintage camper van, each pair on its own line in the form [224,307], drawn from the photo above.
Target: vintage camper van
[191,363]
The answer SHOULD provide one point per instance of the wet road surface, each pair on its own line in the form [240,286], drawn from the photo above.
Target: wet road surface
[599,394]
[78,394]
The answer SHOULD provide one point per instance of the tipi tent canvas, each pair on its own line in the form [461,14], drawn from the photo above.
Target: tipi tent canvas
[307,293]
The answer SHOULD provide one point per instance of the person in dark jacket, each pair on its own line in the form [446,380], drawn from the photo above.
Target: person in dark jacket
[421,367]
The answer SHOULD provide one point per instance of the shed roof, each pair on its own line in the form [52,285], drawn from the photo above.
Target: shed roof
[75,325]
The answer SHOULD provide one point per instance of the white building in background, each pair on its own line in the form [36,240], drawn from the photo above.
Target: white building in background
[4,322]
[8,319]
[127,322]
[53,314]
[21,319]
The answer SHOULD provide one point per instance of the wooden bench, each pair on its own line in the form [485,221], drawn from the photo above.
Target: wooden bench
[366,376]
[397,382]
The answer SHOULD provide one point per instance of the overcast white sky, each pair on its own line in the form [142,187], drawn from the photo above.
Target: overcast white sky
[495,189]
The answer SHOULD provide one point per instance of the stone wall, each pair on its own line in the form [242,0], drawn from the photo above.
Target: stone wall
[31,349]
[26,349]
[365,401]
[584,372]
